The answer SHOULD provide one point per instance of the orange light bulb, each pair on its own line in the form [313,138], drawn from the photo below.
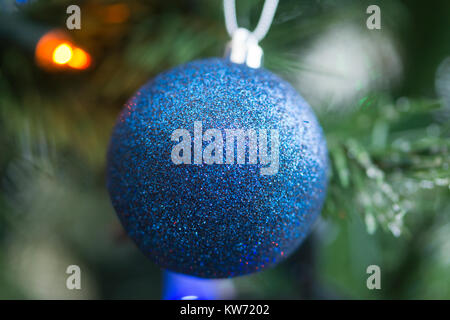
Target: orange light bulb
[62,54]
[55,50]
[80,59]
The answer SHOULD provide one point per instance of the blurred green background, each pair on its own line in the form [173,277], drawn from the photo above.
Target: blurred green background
[382,97]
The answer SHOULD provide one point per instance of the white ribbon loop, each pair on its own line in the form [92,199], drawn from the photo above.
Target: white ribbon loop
[244,47]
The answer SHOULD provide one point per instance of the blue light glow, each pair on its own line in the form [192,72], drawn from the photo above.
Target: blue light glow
[181,287]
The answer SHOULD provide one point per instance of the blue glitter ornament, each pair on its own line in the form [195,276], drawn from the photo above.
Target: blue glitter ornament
[216,169]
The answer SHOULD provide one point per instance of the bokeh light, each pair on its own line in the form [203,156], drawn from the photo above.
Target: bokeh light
[79,60]
[345,63]
[55,50]
[62,54]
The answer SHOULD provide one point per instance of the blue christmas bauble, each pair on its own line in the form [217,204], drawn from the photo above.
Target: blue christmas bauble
[216,169]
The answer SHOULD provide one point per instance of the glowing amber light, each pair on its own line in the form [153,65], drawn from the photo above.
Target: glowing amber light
[55,50]
[62,54]
[80,59]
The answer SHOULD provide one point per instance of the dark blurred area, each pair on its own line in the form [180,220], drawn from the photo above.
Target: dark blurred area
[382,97]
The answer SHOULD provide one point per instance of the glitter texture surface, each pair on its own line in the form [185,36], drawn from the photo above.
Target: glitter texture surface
[216,220]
